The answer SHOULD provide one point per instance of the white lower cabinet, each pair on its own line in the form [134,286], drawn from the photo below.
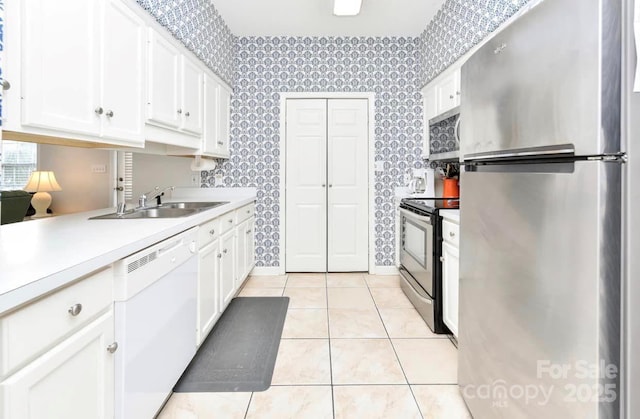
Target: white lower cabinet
[244,250]
[72,380]
[208,294]
[227,268]
[450,275]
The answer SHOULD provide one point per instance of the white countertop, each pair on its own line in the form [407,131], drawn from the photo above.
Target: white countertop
[452,215]
[41,255]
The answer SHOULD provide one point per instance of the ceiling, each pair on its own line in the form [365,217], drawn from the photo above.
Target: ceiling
[315,17]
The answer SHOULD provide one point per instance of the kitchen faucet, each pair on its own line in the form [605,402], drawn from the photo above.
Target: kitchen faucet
[155,193]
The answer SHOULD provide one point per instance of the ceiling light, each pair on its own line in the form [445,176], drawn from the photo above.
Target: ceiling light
[346,7]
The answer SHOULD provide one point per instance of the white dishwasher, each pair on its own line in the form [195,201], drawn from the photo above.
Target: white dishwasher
[155,323]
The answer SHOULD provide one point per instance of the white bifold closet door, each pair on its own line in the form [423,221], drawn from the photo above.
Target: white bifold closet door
[326,185]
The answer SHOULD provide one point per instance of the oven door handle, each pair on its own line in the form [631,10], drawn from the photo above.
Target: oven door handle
[414,216]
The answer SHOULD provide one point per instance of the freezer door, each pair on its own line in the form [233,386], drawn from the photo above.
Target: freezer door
[540,291]
[548,83]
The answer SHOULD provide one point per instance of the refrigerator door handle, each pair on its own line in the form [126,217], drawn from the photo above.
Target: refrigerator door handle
[564,150]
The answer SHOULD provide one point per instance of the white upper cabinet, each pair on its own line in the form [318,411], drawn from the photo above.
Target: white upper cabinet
[217,98]
[60,64]
[124,72]
[192,87]
[449,92]
[164,82]
[438,97]
[211,107]
[75,74]
[224,120]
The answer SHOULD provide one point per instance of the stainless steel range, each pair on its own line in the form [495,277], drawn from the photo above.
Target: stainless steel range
[420,251]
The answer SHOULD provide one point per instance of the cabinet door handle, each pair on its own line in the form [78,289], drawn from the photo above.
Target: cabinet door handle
[99,110]
[441,258]
[112,348]
[452,234]
[219,255]
[230,221]
[457,93]
[324,186]
[179,111]
[212,232]
[75,309]
[450,96]
[224,251]
[220,143]
[248,231]
[109,114]
[6,85]
[187,114]
[248,211]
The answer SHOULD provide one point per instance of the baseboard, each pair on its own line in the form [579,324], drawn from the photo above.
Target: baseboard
[265,271]
[386,270]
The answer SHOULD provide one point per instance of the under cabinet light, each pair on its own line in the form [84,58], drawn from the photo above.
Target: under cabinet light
[346,7]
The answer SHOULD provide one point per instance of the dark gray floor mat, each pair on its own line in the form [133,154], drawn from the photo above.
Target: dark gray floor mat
[240,352]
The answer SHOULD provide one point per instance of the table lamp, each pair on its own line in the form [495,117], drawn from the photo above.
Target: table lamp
[42,183]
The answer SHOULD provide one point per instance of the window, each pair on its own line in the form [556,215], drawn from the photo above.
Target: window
[17,161]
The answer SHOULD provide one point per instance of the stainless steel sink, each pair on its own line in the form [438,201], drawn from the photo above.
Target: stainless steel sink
[167,210]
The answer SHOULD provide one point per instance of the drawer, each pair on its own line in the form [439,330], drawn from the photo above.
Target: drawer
[208,232]
[451,233]
[227,221]
[245,213]
[34,328]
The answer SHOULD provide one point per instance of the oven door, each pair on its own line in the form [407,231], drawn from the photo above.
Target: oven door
[416,248]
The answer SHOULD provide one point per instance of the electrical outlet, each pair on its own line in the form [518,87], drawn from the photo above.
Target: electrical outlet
[98,168]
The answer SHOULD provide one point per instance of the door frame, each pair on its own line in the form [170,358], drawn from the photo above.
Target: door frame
[370,97]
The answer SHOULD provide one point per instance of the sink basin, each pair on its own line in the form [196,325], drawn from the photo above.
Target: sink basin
[167,210]
[192,205]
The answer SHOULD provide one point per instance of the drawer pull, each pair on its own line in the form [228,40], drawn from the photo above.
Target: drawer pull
[230,221]
[452,234]
[75,309]
[112,348]
[224,251]
[212,232]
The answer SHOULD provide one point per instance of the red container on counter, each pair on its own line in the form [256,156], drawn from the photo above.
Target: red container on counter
[450,189]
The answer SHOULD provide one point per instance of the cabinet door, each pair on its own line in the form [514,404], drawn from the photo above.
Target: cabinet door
[123,73]
[60,65]
[192,86]
[224,104]
[208,298]
[449,92]
[72,380]
[241,252]
[210,119]
[430,108]
[450,280]
[164,106]
[227,268]
[251,248]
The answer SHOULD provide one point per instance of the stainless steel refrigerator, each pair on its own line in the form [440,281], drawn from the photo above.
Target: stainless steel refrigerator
[541,216]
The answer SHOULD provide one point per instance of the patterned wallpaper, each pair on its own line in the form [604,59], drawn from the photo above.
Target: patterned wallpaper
[457,27]
[266,67]
[199,26]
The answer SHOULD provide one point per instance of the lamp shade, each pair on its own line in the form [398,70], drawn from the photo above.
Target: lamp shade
[42,182]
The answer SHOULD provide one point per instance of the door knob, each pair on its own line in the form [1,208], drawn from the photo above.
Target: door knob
[99,110]
[179,111]
[6,85]
[330,185]
[187,113]
[109,114]
[112,348]
[324,186]
[441,258]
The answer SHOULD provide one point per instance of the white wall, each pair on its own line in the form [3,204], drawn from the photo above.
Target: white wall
[151,170]
[82,190]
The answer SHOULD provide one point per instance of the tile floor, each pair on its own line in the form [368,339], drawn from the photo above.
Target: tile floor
[352,347]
